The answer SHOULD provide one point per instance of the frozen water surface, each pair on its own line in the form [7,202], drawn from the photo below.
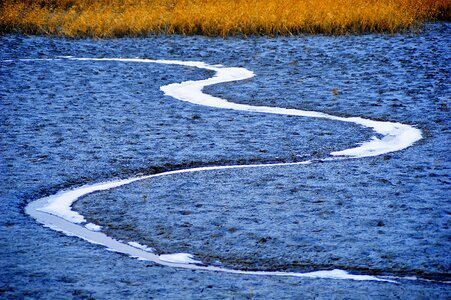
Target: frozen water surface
[68,125]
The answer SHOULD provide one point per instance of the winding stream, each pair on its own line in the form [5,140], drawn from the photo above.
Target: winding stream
[55,211]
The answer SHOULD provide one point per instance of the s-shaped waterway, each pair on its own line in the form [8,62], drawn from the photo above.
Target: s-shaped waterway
[56,212]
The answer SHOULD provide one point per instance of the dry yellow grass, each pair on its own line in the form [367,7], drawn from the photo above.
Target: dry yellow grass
[113,18]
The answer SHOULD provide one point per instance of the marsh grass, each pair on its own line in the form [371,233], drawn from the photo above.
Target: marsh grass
[115,18]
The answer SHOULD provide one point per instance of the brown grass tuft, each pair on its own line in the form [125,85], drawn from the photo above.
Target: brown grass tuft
[115,18]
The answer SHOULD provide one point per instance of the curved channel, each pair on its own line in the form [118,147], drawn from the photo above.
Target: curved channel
[55,211]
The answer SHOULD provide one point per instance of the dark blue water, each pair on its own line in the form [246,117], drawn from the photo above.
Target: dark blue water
[67,123]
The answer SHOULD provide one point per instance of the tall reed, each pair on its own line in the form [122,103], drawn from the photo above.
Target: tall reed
[115,18]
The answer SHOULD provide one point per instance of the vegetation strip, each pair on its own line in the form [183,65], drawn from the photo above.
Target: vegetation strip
[117,18]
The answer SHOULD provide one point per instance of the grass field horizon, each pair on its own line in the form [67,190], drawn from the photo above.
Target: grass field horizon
[117,18]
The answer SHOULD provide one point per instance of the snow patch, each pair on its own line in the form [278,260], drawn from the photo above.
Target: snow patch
[180,258]
[341,274]
[142,247]
[93,227]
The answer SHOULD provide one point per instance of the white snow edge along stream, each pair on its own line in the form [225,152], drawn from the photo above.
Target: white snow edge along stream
[55,211]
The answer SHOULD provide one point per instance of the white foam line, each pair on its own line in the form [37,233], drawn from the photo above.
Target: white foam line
[395,136]
[60,204]
[56,212]
[67,225]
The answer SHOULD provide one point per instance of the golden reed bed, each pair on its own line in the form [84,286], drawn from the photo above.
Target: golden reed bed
[115,18]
